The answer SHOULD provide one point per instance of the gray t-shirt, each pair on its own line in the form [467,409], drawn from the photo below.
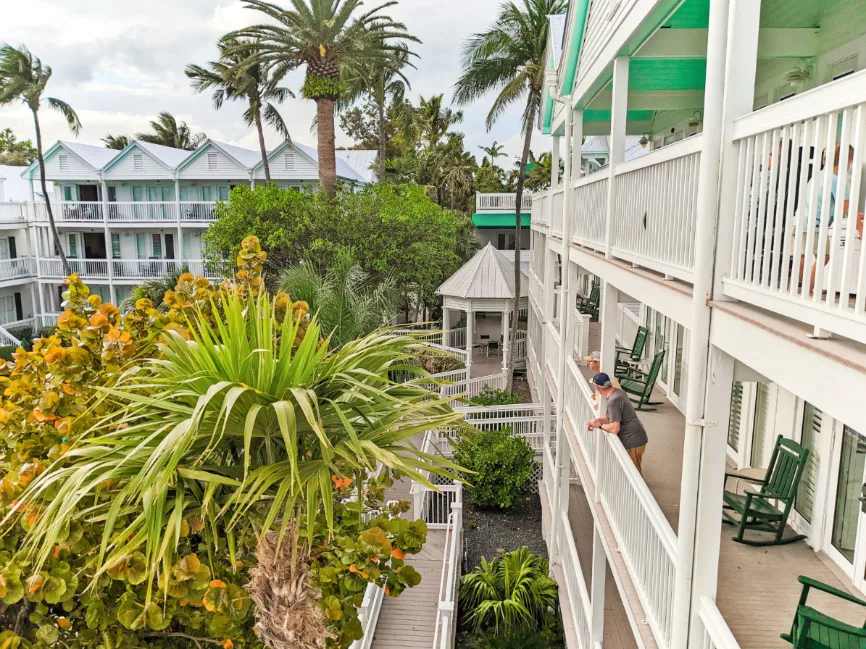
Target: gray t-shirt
[631,431]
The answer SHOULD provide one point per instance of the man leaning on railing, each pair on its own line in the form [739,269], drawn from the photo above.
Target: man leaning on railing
[621,419]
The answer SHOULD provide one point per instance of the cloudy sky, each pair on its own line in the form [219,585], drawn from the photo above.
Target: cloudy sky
[119,62]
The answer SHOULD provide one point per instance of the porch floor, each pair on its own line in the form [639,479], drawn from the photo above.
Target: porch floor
[758,589]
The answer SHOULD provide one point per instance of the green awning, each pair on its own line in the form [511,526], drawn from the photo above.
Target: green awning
[499,220]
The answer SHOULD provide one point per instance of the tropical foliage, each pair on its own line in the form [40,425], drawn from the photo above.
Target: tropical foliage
[157,462]
[509,58]
[154,289]
[15,152]
[500,463]
[333,40]
[168,131]
[24,78]
[348,301]
[510,595]
[494,397]
[395,231]
[231,79]
[117,142]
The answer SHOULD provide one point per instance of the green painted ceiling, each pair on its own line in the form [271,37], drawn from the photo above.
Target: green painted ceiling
[667,74]
[604,115]
[693,14]
[499,220]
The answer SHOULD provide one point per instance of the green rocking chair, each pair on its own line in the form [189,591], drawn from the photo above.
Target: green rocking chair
[625,357]
[639,386]
[815,630]
[589,305]
[767,509]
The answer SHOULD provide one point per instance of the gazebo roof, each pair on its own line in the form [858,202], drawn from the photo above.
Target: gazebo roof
[488,275]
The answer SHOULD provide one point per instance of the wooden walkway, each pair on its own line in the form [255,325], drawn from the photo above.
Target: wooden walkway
[757,587]
[410,620]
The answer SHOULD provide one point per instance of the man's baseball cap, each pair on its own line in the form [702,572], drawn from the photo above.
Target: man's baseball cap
[593,357]
[602,380]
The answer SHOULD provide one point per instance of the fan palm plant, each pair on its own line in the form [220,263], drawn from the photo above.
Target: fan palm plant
[329,37]
[348,303]
[382,81]
[511,594]
[510,57]
[118,142]
[254,84]
[167,131]
[24,78]
[242,426]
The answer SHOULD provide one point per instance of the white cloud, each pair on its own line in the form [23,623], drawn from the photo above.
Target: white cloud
[119,62]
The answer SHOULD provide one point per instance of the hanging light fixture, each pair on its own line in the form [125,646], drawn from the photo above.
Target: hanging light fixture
[644,140]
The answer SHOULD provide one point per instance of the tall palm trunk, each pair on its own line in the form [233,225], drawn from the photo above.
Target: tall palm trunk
[55,235]
[527,140]
[381,140]
[327,153]
[262,147]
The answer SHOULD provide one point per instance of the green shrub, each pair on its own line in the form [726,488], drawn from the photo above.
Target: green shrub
[501,464]
[6,353]
[494,397]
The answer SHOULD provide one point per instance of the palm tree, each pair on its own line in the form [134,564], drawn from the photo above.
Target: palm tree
[511,594]
[381,80]
[494,151]
[454,172]
[434,120]
[154,289]
[24,78]
[254,84]
[348,303]
[119,142]
[328,37]
[167,131]
[244,424]
[510,57]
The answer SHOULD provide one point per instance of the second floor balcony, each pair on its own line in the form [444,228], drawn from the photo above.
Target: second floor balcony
[501,203]
[91,212]
[127,269]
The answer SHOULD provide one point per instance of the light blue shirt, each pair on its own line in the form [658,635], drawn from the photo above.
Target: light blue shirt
[803,208]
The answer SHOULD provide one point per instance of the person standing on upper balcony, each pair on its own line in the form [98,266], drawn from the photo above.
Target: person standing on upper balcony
[804,212]
[621,420]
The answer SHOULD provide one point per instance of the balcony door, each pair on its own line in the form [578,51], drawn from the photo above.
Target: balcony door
[845,535]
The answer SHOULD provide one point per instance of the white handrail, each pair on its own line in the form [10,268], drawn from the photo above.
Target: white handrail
[368,615]
[575,585]
[446,612]
[717,634]
[7,339]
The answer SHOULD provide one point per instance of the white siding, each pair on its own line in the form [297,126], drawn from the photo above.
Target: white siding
[74,167]
[304,168]
[125,168]
[226,167]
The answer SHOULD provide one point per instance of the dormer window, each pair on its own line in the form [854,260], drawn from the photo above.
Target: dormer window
[138,162]
[212,161]
[289,159]
[64,162]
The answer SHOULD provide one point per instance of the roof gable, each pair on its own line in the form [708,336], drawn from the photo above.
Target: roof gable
[488,275]
[243,159]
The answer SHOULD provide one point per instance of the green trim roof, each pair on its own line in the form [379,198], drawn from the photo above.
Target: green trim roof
[505,220]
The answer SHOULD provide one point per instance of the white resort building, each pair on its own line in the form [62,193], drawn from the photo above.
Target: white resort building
[125,216]
[722,276]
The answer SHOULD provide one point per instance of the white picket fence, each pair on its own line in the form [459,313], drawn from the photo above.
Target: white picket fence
[446,611]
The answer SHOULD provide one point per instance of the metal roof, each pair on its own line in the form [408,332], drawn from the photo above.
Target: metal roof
[343,168]
[96,156]
[167,155]
[489,275]
[247,157]
[557,36]
[361,160]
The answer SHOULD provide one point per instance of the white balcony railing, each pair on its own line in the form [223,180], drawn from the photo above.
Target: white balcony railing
[86,268]
[552,350]
[656,197]
[590,205]
[797,250]
[198,211]
[16,268]
[579,334]
[446,612]
[143,211]
[578,597]
[14,212]
[77,211]
[715,633]
[152,268]
[368,615]
[541,209]
[556,215]
[502,203]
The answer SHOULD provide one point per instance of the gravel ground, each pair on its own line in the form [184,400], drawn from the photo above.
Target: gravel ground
[491,532]
[521,388]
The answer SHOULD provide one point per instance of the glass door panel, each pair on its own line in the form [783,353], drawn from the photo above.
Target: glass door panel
[848,485]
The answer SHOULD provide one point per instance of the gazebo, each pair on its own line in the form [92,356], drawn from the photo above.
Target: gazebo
[483,289]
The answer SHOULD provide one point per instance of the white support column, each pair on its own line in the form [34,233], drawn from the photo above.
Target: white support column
[554,168]
[446,326]
[608,315]
[618,117]
[596,595]
[733,31]
[470,336]
[108,256]
[562,456]
[505,342]
[714,455]
[179,252]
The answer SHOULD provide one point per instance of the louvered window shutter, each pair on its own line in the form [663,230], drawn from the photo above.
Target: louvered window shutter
[811,435]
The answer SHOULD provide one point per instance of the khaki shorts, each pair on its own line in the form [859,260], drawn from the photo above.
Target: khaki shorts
[636,455]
